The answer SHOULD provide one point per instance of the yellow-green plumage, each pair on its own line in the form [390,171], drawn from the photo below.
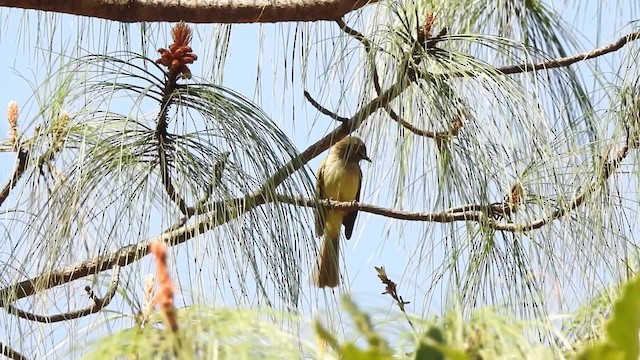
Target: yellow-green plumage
[339,178]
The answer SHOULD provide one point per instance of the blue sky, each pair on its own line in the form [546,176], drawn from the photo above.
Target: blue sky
[256,52]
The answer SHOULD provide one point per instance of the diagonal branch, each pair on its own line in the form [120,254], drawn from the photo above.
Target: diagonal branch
[98,304]
[322,109]
[21,166]
[198,11]
[10,353]
[556,63]
[221,212]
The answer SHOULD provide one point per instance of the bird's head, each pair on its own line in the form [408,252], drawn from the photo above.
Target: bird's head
[351,148]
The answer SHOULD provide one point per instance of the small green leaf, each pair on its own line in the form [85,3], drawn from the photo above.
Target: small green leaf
[325,335]
[425,350]
[352,352]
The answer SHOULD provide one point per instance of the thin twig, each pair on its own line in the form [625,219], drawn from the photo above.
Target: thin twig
[407,125]
[355,34]
[165,175]
[324,110]
[556,63]
[368,49]
[218,169]
[98,304]
[376,82]
[391,288]
[21,166]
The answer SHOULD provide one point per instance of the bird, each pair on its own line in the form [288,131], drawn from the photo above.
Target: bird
[339,178]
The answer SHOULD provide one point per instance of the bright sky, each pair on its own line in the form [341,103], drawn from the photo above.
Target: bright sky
[376,241]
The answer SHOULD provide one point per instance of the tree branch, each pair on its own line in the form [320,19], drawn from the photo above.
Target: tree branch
[376,84]
[10,353]
[198,11]
[162,136]
[324,110]
[557,63]
[222,212]
[21,166]
[468,213]
[426,133]
[218,169]
[98,304]
[475,213]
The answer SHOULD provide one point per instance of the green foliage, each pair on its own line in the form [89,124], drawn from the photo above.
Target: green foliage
[204,333]
[486,334]
[426,349]
[621,332]
[430,346]
[378,348]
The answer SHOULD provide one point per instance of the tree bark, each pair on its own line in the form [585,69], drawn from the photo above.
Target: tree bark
[198,11]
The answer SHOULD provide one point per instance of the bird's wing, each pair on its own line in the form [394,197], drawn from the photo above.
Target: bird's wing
[350,218]
[319,213]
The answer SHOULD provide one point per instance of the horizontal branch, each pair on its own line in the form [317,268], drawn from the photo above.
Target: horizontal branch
[476,213]
[434,216]
[98,304]
[197,11]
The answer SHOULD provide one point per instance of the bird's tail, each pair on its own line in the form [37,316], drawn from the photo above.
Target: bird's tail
[328,273]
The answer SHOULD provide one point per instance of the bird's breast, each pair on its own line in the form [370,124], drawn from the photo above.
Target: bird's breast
[341,181]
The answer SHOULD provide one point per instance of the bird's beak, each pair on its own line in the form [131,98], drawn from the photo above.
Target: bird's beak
[366,158]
